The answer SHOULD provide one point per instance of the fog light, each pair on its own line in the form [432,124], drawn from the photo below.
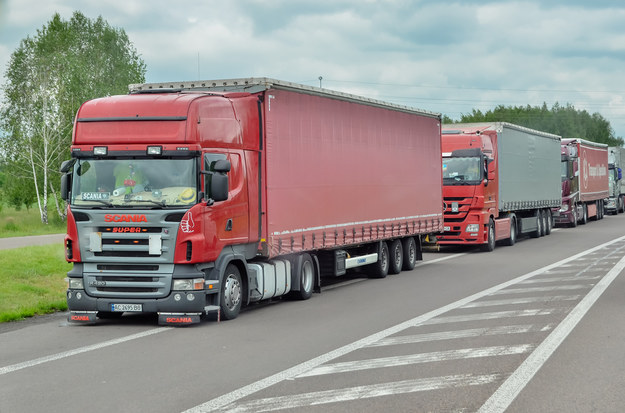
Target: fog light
[190,297]
[177,297]
[69,295]
[100,150]
[78,296]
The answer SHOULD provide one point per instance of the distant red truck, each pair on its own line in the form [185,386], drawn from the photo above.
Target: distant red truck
[188,198]
[585,181]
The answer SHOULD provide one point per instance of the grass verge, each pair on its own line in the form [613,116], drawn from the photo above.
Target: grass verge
[32,281]
[14,223]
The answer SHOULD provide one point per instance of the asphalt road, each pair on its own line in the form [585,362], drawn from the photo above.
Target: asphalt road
[20,242]
[534,327]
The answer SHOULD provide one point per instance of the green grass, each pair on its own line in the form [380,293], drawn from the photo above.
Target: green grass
[25,222]
[32,281]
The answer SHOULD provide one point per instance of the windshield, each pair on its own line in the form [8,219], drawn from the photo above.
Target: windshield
[134,183]
[613,175]
[564,170]
[462,170]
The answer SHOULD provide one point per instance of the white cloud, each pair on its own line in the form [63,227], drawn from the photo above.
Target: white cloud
[438,55]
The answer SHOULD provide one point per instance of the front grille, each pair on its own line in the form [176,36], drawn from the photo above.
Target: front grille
[149,285]
[464,205]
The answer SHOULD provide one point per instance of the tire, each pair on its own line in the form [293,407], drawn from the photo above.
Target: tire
[584,219]
[512,240]
[621,204]
[539,224]
[549,221]
[396,254]
[543,222]
[410,253]
[231,293]
[490,242]
[574,213]
[380,268]
[306,275]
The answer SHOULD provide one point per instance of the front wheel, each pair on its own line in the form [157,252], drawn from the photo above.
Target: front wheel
[231,293]
[490,242]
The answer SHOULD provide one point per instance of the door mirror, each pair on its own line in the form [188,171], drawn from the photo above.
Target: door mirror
[65,184]
[216,178]
[620,173]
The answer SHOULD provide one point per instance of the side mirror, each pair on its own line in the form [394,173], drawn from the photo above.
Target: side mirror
[65,185]
[216,179]
[66,165]
[620,173]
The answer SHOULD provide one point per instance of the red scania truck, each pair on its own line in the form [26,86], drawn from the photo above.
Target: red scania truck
[200,197]
[585,181]
[500,180]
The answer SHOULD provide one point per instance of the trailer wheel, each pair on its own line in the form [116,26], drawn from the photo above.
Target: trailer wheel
[543,221]
[380,268]
[621,205]
[306,271]
[584,219]
[490,244]
[396,253]
[410,253]
[231,293]
[512,240]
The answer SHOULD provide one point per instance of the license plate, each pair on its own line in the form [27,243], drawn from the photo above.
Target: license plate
[126,307]
[446,228]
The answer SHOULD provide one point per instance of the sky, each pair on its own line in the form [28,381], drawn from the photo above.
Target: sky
[442,56]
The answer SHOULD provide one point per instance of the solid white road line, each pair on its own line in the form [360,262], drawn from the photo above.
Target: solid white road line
[518,301]
[287,374]
[458,334]
[360,392]
[408,359]
[58,356]
[509,390]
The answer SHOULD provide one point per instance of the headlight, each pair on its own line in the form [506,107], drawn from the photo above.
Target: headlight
[473,228]
[189,284]
[75,284]
[564,207]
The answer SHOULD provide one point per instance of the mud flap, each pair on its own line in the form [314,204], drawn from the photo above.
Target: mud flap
[178,319]
[82,317]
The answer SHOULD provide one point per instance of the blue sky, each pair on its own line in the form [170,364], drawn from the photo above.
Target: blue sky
[442,56]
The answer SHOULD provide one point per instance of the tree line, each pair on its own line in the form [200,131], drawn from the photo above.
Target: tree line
[564,121]
[69,62]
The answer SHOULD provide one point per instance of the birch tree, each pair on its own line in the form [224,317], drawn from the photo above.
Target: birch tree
[48,76]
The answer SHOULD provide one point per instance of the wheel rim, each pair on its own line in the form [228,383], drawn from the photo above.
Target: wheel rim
[384,259]
[398,257]
[412,252]
[307,276]
[232,292]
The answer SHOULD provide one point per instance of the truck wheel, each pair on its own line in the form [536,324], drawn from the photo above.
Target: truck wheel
[380,268]
[584,219]
[306,272]
[396,253]
[539,225]
[549,222]
[621,205]
[512,240]
[410,253]
[543,221]
[231,293]
[490,243]
[574,216]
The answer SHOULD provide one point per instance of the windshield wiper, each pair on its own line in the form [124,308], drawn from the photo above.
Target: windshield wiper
[159,203]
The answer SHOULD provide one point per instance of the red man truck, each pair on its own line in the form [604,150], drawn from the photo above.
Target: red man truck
[585,181]
[500,180]
[196,197]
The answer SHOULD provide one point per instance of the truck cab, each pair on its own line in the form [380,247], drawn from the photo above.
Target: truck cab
[469,186]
